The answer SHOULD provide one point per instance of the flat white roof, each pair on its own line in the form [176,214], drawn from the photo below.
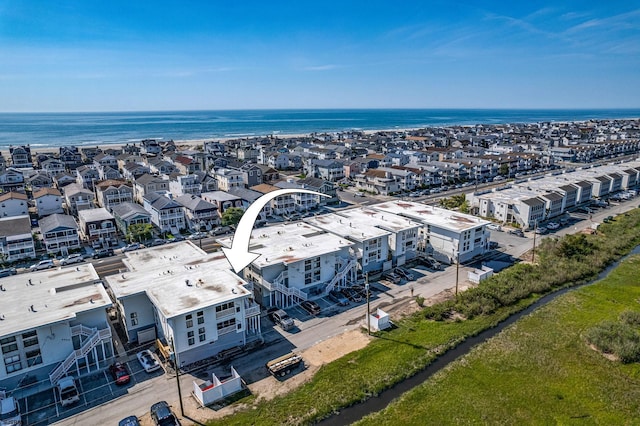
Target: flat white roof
[436,216]
[36,299]
[354,229]
[164,256]
[389,221]
[289,243]
[178,278]
[92,215]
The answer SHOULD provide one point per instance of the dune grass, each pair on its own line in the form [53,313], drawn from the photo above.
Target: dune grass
[541,370]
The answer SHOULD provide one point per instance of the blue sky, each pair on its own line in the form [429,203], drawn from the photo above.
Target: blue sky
[165,55]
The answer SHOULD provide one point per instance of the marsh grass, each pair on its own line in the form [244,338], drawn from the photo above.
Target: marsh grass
[540,370]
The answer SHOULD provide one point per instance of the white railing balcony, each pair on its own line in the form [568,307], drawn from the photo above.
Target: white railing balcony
[252,311]
[225,313]
[226,330]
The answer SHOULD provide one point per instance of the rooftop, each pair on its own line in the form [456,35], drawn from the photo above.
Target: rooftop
[93,215]
[41,298]
[436,216]
[178,278]
[289,243]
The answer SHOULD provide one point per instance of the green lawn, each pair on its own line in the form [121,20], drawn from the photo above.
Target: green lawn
[538,371]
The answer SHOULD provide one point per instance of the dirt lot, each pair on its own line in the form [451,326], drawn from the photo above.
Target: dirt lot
[324,352]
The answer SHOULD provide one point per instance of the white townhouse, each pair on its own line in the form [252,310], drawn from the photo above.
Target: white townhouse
[59,233]
[48,201]
[185,185]
[98,226]
[54,323]
[78,198]
[187,299]
[166,213]
[282,204]
[297,262]
[12,180]
[405,178]
[509,206]
[370,243]
[13,204]
[229,178]
[201,215]
[111,193]
[127,214]
[16,240]
[447,234]
[404,234]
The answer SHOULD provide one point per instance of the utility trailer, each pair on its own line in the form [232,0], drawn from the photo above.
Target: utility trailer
[282,366]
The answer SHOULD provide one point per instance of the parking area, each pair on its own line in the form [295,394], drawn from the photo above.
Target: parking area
[44,408]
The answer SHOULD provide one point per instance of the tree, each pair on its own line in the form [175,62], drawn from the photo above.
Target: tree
[140,232]
[231,216]
[504,169]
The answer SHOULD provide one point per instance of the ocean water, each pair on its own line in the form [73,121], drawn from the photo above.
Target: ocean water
[42,130]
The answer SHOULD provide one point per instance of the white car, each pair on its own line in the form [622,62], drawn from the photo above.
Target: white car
[43,264]
[148,361]
[494,227]
[552,225]
[72,258]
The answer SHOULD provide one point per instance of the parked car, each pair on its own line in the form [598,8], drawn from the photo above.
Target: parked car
[43,264]
[358,194]
[283,319]
[7,271]
[101,253]
[197,236]
[608,219]
[221,230]
[67,391]
[494,227]
[553,225]
[270,312]
[9,410]
[119,373]
[129,421]
[493,244]
[148,361]
[390,276]
[337,297]
[351,294]
[517,232]
[404,274]
[158,242]
[72,258]
[540,230]
[132,247]
[162,415]
[310,306]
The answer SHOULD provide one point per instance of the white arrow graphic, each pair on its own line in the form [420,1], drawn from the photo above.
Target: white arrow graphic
[239,255]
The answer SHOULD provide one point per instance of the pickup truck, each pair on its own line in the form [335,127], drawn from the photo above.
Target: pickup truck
[68,391]
[282,366]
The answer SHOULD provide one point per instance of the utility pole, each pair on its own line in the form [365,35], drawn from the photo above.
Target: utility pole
[457,271]
[533,252]
[366,290]
[177,367]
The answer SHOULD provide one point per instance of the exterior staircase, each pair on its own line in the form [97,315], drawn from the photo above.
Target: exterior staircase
[94,336]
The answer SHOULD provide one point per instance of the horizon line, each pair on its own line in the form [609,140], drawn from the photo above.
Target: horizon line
[337,109]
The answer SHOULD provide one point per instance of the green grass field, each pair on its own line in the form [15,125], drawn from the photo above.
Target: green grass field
[538,371]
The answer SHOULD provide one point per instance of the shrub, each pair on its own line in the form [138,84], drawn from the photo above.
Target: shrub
[619,339]
[631,318]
